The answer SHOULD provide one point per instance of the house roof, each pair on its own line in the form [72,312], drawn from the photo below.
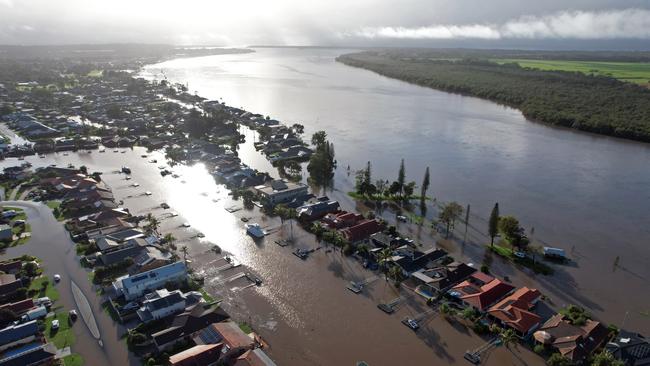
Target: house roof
[444,277]
[631,348]
[482,296]
[419,260]
[514,310]
[189,322]
[572,341]
[11,266]
[227,332]
[361,230]
[254,357]
[200,355]
[30,354]
[13,333]
[168,270]
[19,307]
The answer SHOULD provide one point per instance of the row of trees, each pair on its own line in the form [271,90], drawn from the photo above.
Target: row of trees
[590,103]
[381,189]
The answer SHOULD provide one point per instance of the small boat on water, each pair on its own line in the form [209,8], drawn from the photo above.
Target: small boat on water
[126,170]
[65,154]
[232,260]
[302,254]
[255,230]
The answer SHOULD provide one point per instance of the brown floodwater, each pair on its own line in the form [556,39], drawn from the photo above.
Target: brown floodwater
[587,194]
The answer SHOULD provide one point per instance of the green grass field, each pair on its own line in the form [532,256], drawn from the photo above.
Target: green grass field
[50,291]
[63,337]
[634,72]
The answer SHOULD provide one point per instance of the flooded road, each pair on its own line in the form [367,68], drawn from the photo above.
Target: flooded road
[584,193]
[52,243]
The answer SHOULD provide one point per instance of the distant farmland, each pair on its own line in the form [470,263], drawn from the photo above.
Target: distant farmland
[634,72]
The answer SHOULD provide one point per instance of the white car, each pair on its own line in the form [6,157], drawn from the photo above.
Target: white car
[57,278]
[55,324]
[401,218]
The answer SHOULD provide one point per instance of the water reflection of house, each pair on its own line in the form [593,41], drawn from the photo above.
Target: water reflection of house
[576,342]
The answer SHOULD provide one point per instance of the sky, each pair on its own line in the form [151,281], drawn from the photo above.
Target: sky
[326,23]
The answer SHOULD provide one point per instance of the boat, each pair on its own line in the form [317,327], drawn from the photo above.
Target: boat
[164,205]
[147,193]
[355,287]
[126,170]
[143,156]
[300,254]
[255,230]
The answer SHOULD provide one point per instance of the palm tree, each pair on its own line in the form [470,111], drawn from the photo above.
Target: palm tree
[396,274]
[383,257]
[169,239]
[508,337]
[152,225]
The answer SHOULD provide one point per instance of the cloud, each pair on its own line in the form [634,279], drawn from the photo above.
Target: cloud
[609,24]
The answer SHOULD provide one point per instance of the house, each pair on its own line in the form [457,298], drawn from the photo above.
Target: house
[227,333]
[481,291]
[515,311]
[631,348]
[163,303]
[12,267]
[410,260]
[19,307]
[15,335]
[280,191]
[317,210]
[186,325]
[32,354]
[576,342]
[435,281]
[361,230]
[200,355]
[6,233]
[342,219]
[16,172]
[254,357]
[151,257]
[9,284]
[133,287]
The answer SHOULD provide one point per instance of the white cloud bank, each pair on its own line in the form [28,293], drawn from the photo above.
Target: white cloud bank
[610,24]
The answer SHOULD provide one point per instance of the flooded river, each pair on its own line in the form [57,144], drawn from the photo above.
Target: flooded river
[587,194]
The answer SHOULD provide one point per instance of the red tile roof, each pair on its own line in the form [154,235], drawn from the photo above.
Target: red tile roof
[514,311]
[201,355]
[483,296]
[361,230]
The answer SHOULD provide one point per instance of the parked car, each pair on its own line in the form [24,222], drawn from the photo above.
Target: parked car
[9,214]
[19,223]
[72,314]
[401,218]
[55,324]
[57,278]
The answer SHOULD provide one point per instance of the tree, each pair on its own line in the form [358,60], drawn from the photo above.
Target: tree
[363,182]
[449,214]
[298,128]
[409,189]
[513,232]
[6,316]
[401,177]
[396,274]
[425,185]
[30,269]
[557,359]
[493,224]
[383,258]
[83,169]
[508,337]
[467,210]
[169,239]
[319,138]
[605,358]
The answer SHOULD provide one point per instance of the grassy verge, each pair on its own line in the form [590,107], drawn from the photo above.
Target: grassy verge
[50,291]
[381,197]
[62,337]
[73,360]
[245,327]
[55,207]
[508,253]
[206,296]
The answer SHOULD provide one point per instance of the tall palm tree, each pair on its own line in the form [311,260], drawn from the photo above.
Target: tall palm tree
[383,257]
[169,239]
[508,337]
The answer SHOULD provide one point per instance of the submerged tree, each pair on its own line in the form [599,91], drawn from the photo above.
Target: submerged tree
[321,163]
[449,214]
[425,185]
[493,224]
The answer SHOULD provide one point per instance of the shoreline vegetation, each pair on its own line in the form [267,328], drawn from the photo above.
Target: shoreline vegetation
[591,103]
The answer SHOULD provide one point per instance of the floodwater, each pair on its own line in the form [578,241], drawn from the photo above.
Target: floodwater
[585,193]
[302,309]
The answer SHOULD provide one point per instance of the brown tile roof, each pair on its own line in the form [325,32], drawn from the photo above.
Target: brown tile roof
[514,310]
[572,341]
[201,355]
